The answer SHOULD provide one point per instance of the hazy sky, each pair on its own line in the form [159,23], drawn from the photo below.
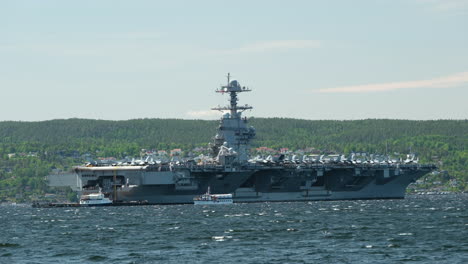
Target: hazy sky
[405,59]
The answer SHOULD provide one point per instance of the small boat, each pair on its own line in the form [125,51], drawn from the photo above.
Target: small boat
[95,199]
[208,198]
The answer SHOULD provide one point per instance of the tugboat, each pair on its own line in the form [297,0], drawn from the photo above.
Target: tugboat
[95,199]
[207,198]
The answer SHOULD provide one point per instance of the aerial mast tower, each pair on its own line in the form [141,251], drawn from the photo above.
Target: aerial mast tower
[233,87]
[233,132]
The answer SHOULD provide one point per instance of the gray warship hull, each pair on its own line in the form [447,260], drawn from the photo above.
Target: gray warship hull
[230,170]
[179,185]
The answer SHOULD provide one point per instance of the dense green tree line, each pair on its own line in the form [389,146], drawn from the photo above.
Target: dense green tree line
[42,146]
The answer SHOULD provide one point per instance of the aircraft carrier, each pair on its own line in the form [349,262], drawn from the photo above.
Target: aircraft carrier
[232,170]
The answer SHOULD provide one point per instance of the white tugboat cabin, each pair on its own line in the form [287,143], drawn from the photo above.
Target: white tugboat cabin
[208,198]
[95,199]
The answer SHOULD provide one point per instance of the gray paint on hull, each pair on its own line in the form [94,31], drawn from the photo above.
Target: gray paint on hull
[394,189]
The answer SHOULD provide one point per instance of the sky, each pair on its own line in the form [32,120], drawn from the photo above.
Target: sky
[322,59]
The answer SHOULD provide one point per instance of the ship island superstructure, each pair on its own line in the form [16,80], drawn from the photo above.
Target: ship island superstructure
[230,170]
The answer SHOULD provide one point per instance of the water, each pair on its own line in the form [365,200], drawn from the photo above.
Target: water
[419,229]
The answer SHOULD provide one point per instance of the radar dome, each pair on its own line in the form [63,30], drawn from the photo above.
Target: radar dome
[234,83]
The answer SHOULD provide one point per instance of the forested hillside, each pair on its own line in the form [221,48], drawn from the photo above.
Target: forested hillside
[29,150]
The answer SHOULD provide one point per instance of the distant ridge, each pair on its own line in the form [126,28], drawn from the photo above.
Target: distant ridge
[290,132]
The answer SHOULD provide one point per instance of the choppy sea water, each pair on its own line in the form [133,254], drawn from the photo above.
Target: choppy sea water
[419,229]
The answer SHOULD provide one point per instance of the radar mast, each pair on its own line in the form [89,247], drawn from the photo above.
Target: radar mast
[232,140]
[233,87]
